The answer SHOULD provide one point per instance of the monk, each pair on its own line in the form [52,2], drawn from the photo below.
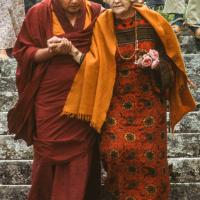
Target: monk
[64,149]
[134,67]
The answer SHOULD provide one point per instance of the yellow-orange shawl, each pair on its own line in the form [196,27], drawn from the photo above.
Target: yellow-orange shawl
[91,92]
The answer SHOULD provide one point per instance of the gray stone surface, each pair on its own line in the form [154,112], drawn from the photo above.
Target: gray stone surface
[15,172]
[3,123]
[192,62]
[185,191]
[178,192]
[7,100]
[11,149]
[179,145]
[13,192]
[189,124]
[189,44]
[184,170]
[7,84]
[184,145]
[7,68]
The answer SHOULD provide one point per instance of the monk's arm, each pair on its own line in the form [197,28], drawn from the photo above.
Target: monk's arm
[55,46]
[77,55]
[43,55]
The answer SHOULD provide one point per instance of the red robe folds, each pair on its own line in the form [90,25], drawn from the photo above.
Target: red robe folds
[63,147]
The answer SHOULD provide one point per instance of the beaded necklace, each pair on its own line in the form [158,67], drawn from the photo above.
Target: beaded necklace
[136,49]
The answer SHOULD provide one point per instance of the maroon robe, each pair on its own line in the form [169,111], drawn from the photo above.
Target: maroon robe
[64,149]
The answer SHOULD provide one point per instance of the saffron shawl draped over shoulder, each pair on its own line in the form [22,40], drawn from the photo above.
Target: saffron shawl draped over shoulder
[91,92]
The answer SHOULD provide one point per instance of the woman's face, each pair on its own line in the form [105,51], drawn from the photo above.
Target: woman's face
[119,7]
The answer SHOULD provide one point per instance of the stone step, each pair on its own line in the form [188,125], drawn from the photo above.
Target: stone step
[189,44]
[7,100]
[179,145]
[17,172]
[192,62]
[14,192]
[185,145]
[189,124]
[11,149]
[8,67]
[184,170]
[185,191]
[7,84]
[8,88]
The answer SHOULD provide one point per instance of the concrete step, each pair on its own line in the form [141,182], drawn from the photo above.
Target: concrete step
[8,67]
[192,62]
[189,44]
[189,124]
[17,172]
[11,149]
[179,145]
[8,94]
[184,170]
[185,145]
[7,100]
[14,192]
[7,84]
[183,191]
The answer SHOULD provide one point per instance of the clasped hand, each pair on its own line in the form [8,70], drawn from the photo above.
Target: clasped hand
[59,46]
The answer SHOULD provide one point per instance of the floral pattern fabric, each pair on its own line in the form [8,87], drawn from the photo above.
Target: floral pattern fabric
[11,18]
[134,139]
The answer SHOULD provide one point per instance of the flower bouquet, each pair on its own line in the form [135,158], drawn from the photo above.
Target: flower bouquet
[148,59]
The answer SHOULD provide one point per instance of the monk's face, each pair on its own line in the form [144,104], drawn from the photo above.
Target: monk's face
[71,6]
[120,6]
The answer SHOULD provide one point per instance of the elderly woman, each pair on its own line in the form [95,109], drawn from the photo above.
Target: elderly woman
[11,18]
[133,67]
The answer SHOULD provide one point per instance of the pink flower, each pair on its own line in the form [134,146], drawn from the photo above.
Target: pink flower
[155,64]
[147,61]
[154,54]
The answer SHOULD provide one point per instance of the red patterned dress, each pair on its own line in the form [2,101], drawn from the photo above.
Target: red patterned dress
[134,138]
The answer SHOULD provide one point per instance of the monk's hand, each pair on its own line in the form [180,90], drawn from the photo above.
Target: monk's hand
[64,47]
[52,44]
[59,46]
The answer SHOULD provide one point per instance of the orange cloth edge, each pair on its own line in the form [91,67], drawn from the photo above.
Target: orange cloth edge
[93,105]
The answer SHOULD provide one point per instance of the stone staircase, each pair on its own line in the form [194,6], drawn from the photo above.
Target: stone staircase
[183,146]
